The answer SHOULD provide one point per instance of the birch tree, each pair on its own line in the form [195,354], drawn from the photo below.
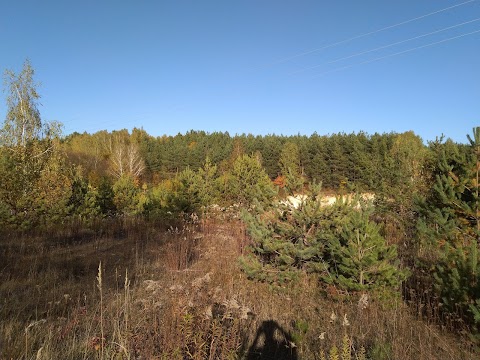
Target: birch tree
[27,149]
[124,155]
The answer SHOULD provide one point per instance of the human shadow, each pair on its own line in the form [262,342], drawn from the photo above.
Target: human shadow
[272,342]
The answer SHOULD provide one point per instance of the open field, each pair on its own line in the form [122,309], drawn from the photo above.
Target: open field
[179,294]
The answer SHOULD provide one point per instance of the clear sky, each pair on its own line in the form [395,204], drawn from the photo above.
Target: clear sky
[251,66]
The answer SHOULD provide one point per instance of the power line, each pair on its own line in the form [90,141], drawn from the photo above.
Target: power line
[370,33]
[395,54]
[387,46]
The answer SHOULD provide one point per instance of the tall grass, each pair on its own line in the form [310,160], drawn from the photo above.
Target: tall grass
[140,290]
[47,284]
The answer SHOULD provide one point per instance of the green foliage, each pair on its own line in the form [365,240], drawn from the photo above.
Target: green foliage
[51,192]
[186,198]
[290,158]
[300,330]
[155,202]
[448,229]
[293,182]
[379,162]
[359,256]
[291,168]
[34,185]
[79,190]
[339,242]
[105,198]
[381,351]
[207,184]
[196,190]
[125,195]
[333,353]
[249,182]
[190,192]
[285,239]
[83,199]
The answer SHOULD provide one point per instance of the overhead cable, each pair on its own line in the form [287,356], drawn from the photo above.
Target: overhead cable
[388,45]
[371,32]
[396,54]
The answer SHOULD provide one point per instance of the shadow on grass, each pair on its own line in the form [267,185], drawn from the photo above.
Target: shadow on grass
[272,342]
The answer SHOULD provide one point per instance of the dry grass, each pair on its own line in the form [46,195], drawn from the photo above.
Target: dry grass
[179,294]
[48,289]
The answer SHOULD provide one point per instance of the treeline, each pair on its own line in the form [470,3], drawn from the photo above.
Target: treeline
[369,161]
[393,164]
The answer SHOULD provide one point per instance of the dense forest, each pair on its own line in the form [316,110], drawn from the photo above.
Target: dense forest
[145,166]
[417,239]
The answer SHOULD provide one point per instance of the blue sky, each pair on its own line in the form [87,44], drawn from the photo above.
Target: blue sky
[251,66]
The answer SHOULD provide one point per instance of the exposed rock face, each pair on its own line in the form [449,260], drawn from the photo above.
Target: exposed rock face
[296,200]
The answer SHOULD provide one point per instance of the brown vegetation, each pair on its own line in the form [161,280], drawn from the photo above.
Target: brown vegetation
[178,293]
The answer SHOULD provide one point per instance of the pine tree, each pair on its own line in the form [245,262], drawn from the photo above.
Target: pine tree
[338,242]
[186,197]
[448,229]
[284,240]
[104,198]
[249,182]
[126,195]
[206,184]
[82,202]
[291,168]
[359,256]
